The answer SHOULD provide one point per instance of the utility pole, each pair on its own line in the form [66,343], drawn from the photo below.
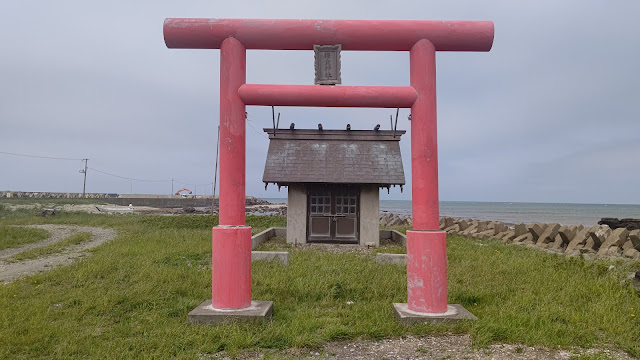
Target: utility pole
[84,186]
[215,174]
[171,195]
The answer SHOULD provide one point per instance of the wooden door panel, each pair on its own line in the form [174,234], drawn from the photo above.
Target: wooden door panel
[345,228]
[320,227]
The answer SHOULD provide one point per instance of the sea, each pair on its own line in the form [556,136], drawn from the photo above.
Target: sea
[514,212]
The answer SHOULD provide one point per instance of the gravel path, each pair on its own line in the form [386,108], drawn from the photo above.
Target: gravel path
[12,271]
[424,347]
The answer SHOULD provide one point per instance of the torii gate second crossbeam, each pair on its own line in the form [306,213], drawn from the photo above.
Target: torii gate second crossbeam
[231,240]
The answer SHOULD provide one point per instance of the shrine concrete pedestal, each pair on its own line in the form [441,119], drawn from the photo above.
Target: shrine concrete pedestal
[205,314]
[455,312]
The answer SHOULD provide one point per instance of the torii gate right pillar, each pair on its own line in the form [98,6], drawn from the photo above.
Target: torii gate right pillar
[426,245]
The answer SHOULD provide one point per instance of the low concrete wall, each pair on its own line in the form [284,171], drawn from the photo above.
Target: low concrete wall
[394,259]
[259,238]
[393,236]
[278,256]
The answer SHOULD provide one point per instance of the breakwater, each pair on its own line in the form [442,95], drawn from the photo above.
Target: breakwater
[159,201]
[54,195]
[598,241]
[595,242]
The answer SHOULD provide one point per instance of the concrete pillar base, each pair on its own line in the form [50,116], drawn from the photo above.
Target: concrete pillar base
[205,314]
[427,271]
[455,312]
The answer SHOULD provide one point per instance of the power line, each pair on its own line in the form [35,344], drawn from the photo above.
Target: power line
[84,171]
[190,183]
[254,129]
[40,157]
[128,178]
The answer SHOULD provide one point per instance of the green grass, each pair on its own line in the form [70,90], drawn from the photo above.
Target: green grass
[12,237]
[130,298]
[54,248]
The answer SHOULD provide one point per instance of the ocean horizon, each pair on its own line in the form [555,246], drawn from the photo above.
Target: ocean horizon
[516,212]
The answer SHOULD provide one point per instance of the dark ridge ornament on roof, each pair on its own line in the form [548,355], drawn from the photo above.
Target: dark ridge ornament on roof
[334,156]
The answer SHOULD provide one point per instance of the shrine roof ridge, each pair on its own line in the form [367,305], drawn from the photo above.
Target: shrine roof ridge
[333,134]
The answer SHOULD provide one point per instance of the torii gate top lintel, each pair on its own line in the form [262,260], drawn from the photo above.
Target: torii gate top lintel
[361,35]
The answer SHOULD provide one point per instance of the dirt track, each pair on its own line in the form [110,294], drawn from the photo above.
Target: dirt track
[12,271]
[425,347]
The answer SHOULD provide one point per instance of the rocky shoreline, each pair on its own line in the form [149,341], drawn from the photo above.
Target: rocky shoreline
[596,242]
[611,238]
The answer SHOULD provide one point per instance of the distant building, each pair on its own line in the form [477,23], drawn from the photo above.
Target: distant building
[333,179]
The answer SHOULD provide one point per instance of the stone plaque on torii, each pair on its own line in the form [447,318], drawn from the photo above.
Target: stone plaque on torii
[231,240]
[327,64]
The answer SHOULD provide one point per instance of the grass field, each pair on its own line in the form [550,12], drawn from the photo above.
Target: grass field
[54,248]
[130,298]
[12,237]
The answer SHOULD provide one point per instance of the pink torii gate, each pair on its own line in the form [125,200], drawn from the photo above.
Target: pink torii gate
[231,240]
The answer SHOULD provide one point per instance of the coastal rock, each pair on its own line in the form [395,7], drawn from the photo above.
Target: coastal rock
[578,241]
[386,218]
[453,229]
[47,212]
[614,223]
[567,233]
[483,226]
[486,230]
[448,221]
[523,239]
[389,219]
[627,245]
[464,224]
[558,243]
[536,230]
[500,227]
[250,200]
[616,239]
[549,234]
[632,254]
[507,236]
[520,229]
[598,235]
[634,236]
[471,229]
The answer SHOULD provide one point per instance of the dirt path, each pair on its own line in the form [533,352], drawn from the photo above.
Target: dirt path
[12,271]
[425,347]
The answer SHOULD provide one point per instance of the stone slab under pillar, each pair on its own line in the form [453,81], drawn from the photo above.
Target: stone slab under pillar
[205,314]
[455,312]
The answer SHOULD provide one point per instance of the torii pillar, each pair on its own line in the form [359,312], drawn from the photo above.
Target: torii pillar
[231,240]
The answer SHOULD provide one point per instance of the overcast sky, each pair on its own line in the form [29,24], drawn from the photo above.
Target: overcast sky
[551,114]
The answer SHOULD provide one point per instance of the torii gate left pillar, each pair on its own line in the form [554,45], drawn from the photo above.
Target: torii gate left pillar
[231,240]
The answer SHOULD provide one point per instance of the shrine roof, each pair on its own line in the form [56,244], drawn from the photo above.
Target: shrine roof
[334,156]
